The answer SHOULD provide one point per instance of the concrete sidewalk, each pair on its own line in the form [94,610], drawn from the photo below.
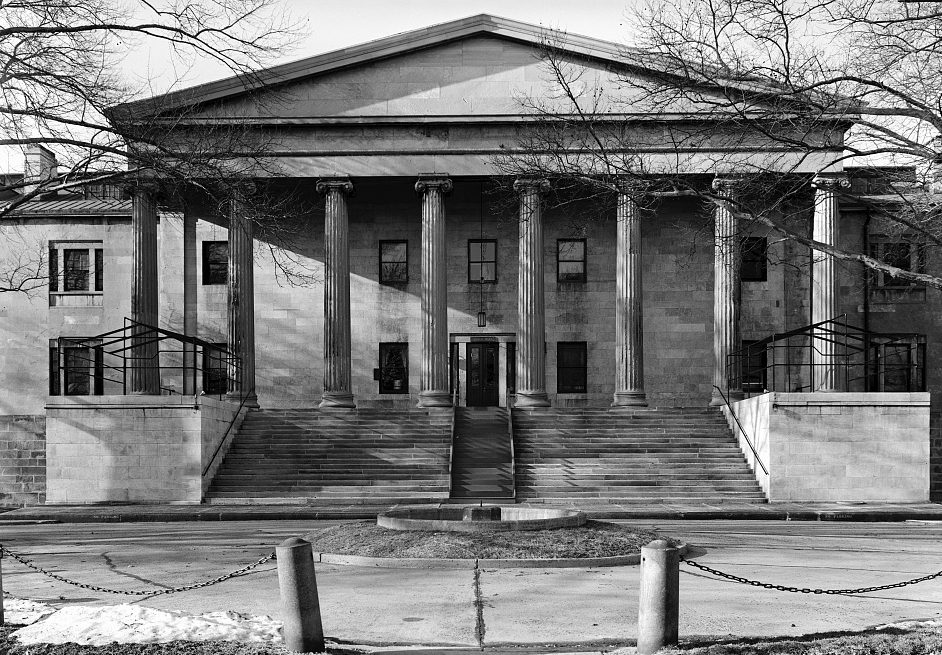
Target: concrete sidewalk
[326,511]
[573,609]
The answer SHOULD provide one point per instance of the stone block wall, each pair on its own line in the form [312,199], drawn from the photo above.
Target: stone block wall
[849,447]
[22,460]
[216,416]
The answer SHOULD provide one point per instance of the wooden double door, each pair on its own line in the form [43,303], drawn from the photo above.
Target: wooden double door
[483,375]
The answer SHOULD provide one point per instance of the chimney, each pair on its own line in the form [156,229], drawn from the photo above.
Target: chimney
[41,165]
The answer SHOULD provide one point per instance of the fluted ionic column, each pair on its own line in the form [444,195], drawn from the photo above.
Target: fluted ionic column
[629,333]
[435,381]
[824,289]
[144,364]
[531,311]
[726,292]
[337,376]
[240,289]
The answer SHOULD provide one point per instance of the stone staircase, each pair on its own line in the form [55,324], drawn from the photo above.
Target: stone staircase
[356,456]
[624,455]
[481,464]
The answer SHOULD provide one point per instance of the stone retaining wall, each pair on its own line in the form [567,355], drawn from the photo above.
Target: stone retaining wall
[22,460]
[850,447]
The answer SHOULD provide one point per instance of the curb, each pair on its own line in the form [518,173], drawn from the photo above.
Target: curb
[486,564]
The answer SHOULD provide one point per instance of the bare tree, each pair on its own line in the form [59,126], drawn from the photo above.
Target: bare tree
[812,85]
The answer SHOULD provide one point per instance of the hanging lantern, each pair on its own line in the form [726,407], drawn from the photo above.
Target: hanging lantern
[482,318]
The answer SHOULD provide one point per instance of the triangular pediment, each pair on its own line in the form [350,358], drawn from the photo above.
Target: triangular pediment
[480,66]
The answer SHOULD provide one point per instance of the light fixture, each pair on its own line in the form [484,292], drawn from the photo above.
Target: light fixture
[482,318]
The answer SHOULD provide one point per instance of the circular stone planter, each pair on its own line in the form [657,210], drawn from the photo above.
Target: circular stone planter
[479,519]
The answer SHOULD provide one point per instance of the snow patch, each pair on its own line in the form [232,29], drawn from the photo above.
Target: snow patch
[19,611]
[133,624]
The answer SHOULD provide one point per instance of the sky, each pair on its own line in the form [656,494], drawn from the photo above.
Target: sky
[328,25]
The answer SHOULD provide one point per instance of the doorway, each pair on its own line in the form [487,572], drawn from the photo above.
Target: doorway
[483,375]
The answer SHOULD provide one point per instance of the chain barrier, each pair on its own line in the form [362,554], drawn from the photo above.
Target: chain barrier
[805,590]
[4,551]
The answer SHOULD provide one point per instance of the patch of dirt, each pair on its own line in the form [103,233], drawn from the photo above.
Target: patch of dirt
[594,539]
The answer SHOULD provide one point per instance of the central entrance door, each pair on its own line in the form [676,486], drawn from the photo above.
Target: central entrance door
[483,375]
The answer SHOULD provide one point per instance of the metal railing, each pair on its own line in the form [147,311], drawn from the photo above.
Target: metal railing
[104,364]
[854,360]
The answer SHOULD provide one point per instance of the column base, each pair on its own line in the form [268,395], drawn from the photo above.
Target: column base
[527,399]
[251,401]
[630,399]
[434,399]
[340,399]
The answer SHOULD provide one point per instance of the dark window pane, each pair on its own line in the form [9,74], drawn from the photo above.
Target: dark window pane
[571,358]
[214,370]
[215,262]
[393,261]
[897,368]
[754,267]
[53,269]
[754,363]
[77,363]
[571,271]
[76,270]
[99,371]
[99,269]
[394,368]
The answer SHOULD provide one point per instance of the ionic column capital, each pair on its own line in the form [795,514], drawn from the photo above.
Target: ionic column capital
[831,182]
[531,185]
[633,187]
[327,184]
[727,184]
[430,181]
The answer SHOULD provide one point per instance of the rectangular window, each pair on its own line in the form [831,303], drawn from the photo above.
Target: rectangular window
[394,367]
[482,260]
[571,365]
[754,364]
[570,260]
[906,255]
[214,370]
[76,265]
[76,367]
[755,261]
[393,262]
[215,262]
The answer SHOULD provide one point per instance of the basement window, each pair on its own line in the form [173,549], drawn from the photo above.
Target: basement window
[571,366]
[394,367]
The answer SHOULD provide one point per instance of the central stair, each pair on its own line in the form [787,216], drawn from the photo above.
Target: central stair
[482,457]
[630,455]
[351,456]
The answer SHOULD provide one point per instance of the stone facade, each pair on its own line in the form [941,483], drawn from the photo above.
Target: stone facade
[22,459]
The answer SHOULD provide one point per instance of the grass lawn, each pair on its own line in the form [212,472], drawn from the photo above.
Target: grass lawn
[594,539]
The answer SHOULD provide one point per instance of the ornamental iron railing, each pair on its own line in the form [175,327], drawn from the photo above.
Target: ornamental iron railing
[851,358]
[102,364]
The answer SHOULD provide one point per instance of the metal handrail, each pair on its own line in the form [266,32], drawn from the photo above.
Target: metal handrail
[209,465]
[513,455]
[741,429]
[451,450]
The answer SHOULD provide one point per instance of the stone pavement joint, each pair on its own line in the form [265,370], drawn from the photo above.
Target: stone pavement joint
[883,512]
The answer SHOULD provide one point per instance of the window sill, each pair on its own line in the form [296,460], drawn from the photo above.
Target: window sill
[898,295]
[76,298]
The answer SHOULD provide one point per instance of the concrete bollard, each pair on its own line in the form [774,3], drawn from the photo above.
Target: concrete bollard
[659,600]
[300,608]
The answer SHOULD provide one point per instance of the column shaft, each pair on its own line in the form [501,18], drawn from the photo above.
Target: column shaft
[824,289]
[337,373]
[531,312]
[629,313]
[144,363]
[189,301]
[434,391]
[726,294]
[241,303]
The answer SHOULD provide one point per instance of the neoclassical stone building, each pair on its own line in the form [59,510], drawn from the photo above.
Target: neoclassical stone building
[429,283]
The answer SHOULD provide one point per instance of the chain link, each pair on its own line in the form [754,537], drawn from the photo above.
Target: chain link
[155,592]
[805,590]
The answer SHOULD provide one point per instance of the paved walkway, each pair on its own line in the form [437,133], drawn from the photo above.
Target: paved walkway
[324,511]
[573,609]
